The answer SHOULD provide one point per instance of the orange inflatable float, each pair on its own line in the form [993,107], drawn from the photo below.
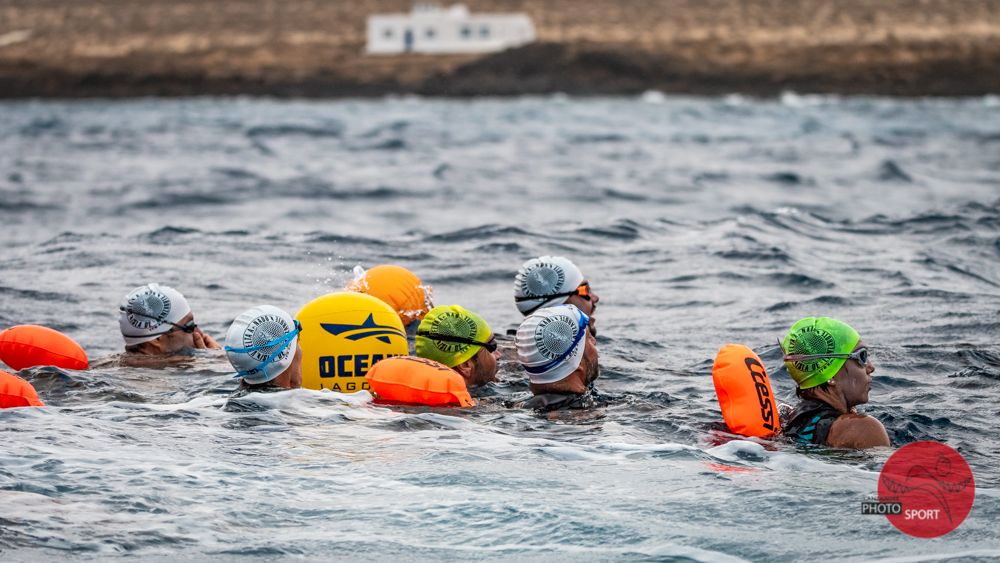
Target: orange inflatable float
[400,288]
[26,346]
[418,381]
[16,392]
[744,392]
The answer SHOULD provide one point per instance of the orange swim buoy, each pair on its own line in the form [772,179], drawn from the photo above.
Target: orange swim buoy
[418,381]
[16,392]
[27,346]
[397,286]
[744,392]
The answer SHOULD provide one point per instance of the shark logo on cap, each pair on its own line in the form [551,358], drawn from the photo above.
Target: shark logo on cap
[367,329]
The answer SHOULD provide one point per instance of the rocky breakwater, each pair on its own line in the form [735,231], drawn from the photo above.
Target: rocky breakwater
[315,48]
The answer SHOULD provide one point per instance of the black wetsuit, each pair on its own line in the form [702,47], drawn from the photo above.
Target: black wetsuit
[547,402]
[557,401]
[236,404]
[245,389]
[810,422]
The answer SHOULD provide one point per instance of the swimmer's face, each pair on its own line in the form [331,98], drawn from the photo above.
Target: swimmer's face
[484,368]
[589,362]
[855,380]
[296,369]
[177,340]
[586,304]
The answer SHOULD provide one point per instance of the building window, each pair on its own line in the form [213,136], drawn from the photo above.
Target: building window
[466,32]
[484,31]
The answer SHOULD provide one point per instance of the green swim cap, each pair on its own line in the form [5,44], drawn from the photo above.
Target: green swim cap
[455,321]
[818,335]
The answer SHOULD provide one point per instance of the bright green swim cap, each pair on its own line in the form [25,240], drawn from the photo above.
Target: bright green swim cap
[818,335]
[456,322]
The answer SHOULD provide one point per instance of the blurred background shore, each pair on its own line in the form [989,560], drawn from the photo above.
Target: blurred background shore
[315,48]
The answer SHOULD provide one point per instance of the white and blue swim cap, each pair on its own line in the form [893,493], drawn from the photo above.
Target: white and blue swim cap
[148,312]
[261,343]
[544,282]
[550,343]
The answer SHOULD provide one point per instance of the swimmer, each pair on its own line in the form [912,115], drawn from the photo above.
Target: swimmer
[263,346]
[156,320]
[461,340]
[554,280]
[560,356]
[833,371]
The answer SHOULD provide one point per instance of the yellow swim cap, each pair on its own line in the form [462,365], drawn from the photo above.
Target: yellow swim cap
[449,334]
[400,288]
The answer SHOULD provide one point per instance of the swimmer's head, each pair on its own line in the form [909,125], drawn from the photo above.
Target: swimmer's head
[153,310]
[262,344]
[542,282]
[400,288]
[554,343]
[819,337]
[461,340]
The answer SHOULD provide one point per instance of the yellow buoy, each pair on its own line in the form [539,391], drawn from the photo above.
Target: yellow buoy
[343,336]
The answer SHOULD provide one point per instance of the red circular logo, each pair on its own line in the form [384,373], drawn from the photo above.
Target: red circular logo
[934,486]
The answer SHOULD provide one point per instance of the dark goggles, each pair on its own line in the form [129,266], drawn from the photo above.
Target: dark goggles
[490,345]
[189,327]
[861,356]
[583,290]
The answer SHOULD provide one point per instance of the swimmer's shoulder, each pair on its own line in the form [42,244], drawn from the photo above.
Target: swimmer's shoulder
[857,431]
[132,360]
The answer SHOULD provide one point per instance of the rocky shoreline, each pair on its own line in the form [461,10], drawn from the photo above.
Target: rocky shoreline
[315,49]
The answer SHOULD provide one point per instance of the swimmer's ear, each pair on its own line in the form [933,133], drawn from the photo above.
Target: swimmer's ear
[465,368]
[157,345]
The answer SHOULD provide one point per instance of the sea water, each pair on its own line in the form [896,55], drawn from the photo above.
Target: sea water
[698,221]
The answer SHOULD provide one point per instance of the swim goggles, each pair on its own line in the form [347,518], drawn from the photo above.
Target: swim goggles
[490,345]
[860,355]
[581,330]
[583,290]
[188,328]
[281,342]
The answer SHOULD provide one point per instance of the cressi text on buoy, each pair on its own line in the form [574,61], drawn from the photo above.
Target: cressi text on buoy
[418,381]
[27,346]
[16,392]
[343,335]
[744,392]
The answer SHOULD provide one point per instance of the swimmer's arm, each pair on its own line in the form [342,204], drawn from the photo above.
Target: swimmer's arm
[857,431]
[203,341]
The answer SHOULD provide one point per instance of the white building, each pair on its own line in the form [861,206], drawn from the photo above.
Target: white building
[430,29]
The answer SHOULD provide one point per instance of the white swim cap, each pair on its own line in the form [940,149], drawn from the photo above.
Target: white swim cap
[543,282]
[148,311]
[550,342]
[261,343]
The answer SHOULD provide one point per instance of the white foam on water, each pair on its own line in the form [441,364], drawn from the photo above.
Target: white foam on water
[653,97]
[961,555]
[734,100]
[795,100]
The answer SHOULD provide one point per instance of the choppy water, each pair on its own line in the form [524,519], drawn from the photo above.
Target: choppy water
[699,221]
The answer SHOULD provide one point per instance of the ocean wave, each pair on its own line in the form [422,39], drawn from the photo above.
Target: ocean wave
[698,221]
[477,233]
[330,129]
